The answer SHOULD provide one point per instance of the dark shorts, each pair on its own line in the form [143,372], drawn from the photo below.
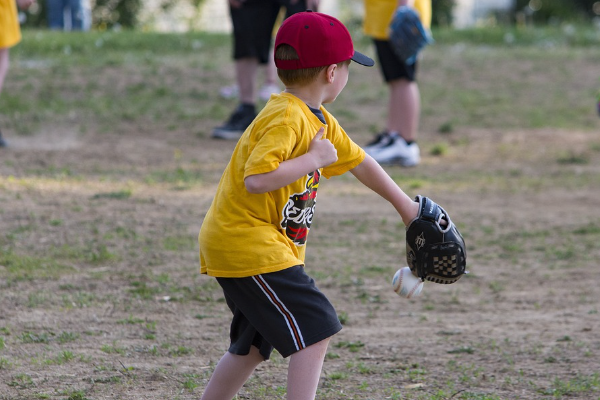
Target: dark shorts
[282,310]
[391,66]
[253,25]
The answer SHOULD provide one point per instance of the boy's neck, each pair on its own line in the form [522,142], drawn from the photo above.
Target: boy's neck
[312,94]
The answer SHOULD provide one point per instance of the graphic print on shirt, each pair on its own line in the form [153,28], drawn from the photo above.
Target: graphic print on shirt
[299,210]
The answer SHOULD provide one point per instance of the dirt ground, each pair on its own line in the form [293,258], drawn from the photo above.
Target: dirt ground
[101,296]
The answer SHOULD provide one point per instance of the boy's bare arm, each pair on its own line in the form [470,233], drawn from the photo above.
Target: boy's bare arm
[321,153]
[372,175]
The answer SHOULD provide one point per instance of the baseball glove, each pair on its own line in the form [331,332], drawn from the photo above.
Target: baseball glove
[435,250]
[407,35]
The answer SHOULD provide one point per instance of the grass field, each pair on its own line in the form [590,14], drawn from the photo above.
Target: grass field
[111,169]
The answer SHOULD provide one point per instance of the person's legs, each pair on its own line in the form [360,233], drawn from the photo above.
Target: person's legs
[86,12]
[271,77]
[245,71]
[231,373]
[252,29]
[270,85]
[284,310]
[304,371]
[4,64]
[404,108]
[397,144]
[56,12]
[76,15]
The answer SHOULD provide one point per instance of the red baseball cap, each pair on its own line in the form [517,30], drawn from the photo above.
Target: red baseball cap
[319,39]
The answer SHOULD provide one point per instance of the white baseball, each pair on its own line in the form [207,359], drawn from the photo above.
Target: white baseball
[406,284]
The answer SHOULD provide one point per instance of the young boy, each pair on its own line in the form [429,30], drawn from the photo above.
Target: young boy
[254,235]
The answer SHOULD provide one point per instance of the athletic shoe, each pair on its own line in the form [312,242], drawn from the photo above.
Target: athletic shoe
[237,123]
[380,140]
[393,149]
[2,141]
[266,91]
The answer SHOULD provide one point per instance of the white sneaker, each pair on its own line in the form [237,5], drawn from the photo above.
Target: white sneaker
[266,91]
[395,150]
[382,139]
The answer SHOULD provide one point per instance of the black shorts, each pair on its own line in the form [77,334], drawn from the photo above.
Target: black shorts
[253,25]
[391,66]
[282,310]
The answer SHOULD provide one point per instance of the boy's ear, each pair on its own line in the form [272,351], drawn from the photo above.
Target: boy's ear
[330,73]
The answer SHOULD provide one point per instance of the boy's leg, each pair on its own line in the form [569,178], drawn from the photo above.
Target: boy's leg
[231,373]
[291,315]
[304,371]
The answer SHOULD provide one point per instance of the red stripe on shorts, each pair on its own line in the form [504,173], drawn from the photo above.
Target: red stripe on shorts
[289,318]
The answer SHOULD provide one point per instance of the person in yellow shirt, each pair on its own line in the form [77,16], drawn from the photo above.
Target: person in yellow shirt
[253,238]
[10,35]
[397,144]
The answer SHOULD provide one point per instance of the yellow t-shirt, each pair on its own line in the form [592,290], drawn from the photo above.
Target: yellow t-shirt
[379,13]
[10,31]
[245,234]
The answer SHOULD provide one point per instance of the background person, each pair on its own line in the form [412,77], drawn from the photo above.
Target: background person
[74,8]
[397,143]
[253,23]
[269,86]
[10,35]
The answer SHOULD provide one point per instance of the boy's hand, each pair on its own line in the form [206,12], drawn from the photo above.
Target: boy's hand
[322,150]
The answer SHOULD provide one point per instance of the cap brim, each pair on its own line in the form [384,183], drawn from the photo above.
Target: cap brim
[361,59]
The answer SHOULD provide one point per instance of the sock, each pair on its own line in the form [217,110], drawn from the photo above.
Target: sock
[397,134]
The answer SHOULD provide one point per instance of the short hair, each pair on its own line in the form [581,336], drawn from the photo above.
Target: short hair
[302,76]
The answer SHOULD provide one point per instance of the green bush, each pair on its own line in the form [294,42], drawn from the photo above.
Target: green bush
[442,12]
[105,14]
[548,11]
[111,13]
